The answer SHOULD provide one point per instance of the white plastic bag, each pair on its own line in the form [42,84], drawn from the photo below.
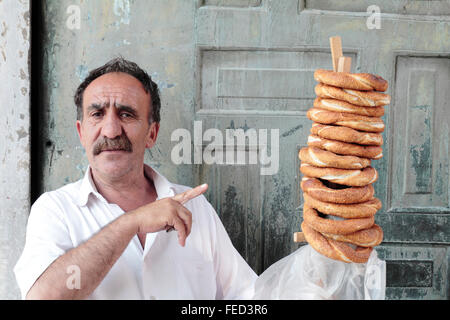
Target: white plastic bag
[307,275]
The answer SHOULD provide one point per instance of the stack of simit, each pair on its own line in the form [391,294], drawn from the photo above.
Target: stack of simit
[339,203]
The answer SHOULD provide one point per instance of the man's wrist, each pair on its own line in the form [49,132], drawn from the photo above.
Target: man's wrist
[129,223]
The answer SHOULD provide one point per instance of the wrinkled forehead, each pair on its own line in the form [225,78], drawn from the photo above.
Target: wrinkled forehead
[116,88]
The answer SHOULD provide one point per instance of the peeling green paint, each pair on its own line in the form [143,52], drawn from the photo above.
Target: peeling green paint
[421,163]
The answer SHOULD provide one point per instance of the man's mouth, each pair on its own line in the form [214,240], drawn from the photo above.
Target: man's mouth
[116,145]
[113,150]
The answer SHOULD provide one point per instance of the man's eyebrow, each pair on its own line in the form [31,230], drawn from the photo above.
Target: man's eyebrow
[95,106]
[121,107]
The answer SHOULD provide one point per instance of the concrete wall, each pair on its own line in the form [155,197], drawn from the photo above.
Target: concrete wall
[14,137]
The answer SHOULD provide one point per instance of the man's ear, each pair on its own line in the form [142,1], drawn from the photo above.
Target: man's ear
[80,136]
[152,134]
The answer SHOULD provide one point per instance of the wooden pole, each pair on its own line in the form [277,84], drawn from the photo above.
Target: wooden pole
[336,51]
[345,64]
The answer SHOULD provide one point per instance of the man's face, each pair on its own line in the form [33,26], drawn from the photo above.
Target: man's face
[115,130]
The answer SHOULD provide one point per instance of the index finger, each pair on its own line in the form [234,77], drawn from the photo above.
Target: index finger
[184,197]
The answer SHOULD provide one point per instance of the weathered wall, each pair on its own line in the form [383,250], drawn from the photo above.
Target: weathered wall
[15,137]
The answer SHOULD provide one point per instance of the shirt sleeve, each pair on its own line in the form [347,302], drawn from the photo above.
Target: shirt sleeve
[47,238]
[235,278]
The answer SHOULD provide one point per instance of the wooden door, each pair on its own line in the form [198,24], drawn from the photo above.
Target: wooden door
[255,64]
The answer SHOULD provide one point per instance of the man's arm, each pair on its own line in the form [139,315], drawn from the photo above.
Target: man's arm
[94,258]
[97,255]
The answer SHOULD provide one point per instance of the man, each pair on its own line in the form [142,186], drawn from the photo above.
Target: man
[105,236]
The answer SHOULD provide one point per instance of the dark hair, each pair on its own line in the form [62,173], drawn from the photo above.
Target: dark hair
[121,65]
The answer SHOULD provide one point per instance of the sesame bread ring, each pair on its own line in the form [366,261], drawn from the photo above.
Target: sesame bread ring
[354,178]
[360,98]
[344,148]
[347,211]
[365,238]
[343,106]
[347,254]
[355,121]
[358,81]
[324,225]
[346,134]
[333,249]
[318,190]
[319,242]
[322,158]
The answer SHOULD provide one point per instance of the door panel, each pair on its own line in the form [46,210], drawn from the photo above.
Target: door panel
[406,7]
[415,271]
[421,131]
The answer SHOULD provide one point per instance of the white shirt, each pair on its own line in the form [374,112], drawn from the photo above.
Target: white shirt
[208,267]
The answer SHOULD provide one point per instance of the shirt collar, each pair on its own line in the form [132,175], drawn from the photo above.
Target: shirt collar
[163,187]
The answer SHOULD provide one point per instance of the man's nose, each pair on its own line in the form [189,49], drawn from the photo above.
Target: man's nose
[112,127]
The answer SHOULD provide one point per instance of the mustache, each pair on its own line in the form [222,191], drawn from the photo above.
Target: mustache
[119,143]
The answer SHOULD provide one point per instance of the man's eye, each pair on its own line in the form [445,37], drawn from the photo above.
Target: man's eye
[125,115]
[97,114]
